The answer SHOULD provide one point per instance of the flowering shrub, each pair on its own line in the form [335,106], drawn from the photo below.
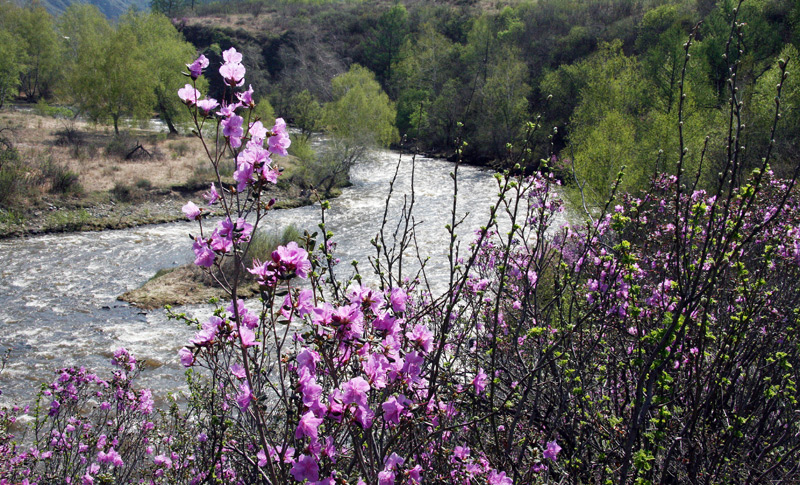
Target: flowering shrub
[657,344]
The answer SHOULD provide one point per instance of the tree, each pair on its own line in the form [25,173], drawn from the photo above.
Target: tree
[37,36]
[114,79]
[384,49]
[504,105]
[165,54]
[306,113]
[84,30]
[360,117]
[604,124]
[10,66]
[168,7]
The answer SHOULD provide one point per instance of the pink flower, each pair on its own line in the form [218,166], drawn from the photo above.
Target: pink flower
[238,371]
[196,67]
[207,105]
[111,457]
[461,452]
[415,474]
[364,416]
[189,95]
[551,452]
[308,426]
[355,391]
[480,381]
[248,337]
[212,196]
[245,396]
[280,141]
[292,259]
[398,298]
[227,110]
[233,73]
[498,478]
[191,210]
[246,97]
[232,126]
[186,356]
[391,410]
[305,468]
[204,256]
[386,477]
[163,460]
[232,56]
[422,336]
[258,132]
[308,358]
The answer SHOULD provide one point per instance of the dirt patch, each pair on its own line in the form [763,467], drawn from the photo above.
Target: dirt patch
[187,284]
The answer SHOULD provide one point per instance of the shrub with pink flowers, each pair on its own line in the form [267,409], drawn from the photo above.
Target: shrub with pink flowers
[655,343]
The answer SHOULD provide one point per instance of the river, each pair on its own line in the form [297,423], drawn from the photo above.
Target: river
[58,306]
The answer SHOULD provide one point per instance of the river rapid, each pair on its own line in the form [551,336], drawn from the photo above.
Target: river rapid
[58,303]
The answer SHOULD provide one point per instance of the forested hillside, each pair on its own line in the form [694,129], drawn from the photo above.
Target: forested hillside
[110,8]
[591,86]
[601,78]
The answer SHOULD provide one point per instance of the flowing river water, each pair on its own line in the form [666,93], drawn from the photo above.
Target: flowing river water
[58,304]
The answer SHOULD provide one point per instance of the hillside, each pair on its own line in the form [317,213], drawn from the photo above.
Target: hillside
[110,8]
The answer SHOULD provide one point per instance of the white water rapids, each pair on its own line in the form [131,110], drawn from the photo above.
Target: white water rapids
[58,303]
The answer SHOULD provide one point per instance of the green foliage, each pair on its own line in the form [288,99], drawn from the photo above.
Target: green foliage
[11,174]
[384,48]
[112,78]
[361,113]
[10,65]
[44,109]
[265,112]
[38,47]
[787,135]
[360,117]
[306,113]
[613,98]
[165,55]
[302,150]
[169,7]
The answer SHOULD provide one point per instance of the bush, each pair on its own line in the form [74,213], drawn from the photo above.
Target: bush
[654,343]
[11,175]
[180,149]
[143,184]
[120,146]
[61,179]
[122,192]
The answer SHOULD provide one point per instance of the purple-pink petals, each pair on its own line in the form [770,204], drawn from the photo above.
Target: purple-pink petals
[191,210]
[189,95]
[207,105]
[480,381]
[204,255]
[212,196]
[305,468]
[551,450]
[279,141]
[196,67]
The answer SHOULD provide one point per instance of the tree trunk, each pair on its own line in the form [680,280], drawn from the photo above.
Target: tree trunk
[167,119]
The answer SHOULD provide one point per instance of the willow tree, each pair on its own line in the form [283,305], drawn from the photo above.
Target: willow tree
[166,53]
[37,47]
[361,117]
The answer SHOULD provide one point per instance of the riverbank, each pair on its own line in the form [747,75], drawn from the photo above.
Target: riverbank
[103,211]
[59,175]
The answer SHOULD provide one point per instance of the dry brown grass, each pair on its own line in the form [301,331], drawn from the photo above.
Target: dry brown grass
[174,159]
